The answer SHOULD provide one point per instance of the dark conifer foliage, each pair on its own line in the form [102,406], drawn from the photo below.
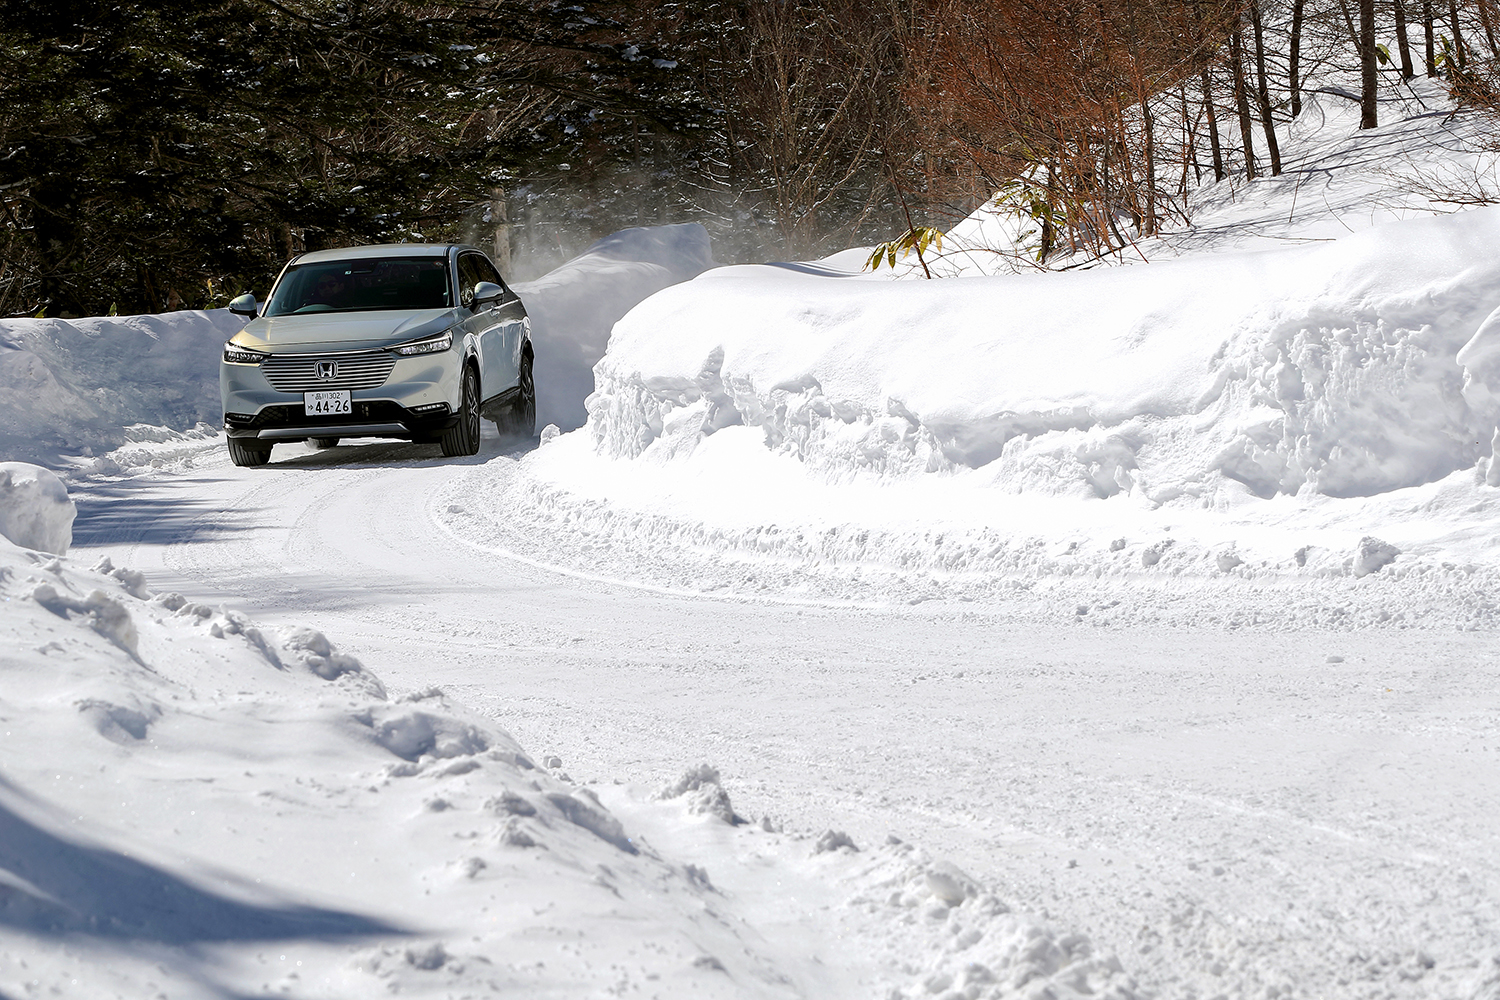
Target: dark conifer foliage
[152,154]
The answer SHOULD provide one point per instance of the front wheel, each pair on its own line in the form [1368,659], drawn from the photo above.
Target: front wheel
[246,453]
[463,437]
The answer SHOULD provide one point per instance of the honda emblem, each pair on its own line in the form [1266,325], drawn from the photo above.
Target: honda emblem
[328,369]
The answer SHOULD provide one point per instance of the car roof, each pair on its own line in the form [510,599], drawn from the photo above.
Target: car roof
[379,250]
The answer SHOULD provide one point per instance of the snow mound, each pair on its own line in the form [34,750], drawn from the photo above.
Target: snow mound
[35,512]
[1330,368]
[704,793]
[573,307]
[73,387]
[975,945]
[935,930]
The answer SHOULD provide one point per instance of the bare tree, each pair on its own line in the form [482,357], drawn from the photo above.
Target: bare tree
[1427,33]
[1294,49]
[1241,99]
[1367,67]
[1262,92]
[1407,72]
[1213,125]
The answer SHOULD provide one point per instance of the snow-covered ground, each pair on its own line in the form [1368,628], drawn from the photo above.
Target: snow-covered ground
[1122,632]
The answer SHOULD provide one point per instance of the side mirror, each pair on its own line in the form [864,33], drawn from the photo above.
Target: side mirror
[244,305]
[487,292]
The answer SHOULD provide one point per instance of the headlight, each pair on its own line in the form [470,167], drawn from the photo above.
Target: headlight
[431,345]
[236,355]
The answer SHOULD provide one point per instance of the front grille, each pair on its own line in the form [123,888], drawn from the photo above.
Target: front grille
[299,372]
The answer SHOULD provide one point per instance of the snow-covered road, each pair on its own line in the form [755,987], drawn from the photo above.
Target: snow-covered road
[1230,812]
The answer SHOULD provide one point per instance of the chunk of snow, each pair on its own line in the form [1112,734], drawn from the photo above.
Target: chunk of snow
[35,512]
[1372,555]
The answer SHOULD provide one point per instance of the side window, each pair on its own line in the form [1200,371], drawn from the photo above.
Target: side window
[487,272]
[469,275]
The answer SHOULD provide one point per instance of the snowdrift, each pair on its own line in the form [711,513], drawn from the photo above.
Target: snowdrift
[1330,369]
[573,307]
[75,386]
[197,791]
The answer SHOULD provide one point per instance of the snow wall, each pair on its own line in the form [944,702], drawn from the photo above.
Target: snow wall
[75,386]
[1331,368]
[573,307]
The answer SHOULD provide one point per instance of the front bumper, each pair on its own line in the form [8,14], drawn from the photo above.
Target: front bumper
[378,418]
[418,399]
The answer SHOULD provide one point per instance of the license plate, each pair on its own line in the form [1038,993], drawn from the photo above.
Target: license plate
[326,404]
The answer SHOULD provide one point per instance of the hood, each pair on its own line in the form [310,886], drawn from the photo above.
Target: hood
[345,331]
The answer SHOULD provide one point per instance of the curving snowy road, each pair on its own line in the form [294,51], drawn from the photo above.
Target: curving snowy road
[1229,812]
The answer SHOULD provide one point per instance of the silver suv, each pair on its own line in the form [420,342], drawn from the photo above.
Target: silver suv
[402,341]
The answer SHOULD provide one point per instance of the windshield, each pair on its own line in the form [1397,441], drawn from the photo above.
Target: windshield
[360,285]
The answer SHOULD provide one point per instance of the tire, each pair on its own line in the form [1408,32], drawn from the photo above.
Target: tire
[321,443]
[463,438]
[245,454]
[520,419]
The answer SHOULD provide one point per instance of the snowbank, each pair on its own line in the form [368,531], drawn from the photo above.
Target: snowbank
[1330,368]
[193,785]
[573,307]
[71,387]
[35,511]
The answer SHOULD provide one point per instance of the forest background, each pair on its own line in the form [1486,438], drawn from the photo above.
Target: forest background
[171,155]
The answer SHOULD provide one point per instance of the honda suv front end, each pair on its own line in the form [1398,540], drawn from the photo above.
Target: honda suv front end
[401,341]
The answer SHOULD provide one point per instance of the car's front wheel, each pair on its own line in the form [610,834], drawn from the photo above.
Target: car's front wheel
[248,453]
[463,437]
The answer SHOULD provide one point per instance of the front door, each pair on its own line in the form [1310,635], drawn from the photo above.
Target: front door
[496,326]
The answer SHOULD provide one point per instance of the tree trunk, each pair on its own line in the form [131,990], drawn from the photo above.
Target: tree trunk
[1266,121]
[1241,99]
[1295,56]
[1148,225]
[1427,33]
[1458,38]
[1401,41]
[1367,74]
[500,237]
[1189,147]
[1213,125]
[1049,236]
[1488,24]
